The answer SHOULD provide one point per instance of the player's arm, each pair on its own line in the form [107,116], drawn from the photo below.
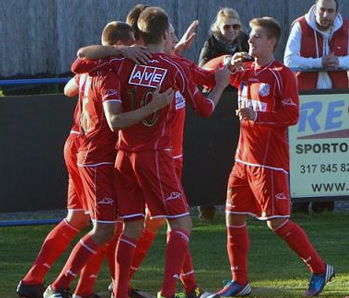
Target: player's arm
[137,53]
[204,106]
[201,77]
[71,88]
[292,56]
[187,39]
[87,65]
[119,120]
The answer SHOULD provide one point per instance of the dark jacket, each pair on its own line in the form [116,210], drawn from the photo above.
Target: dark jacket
[213,47]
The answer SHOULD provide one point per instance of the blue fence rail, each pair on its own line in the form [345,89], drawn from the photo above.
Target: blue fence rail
[33,81]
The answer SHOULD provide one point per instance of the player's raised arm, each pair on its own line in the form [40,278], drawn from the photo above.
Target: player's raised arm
[187,39]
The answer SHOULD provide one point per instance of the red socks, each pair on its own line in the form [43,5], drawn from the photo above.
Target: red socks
[187,275]
[124,255]
[53,247]
[298,241]
[111,248]
[89,274]
[176,252]
[83,251]
[90,271]
[238,245]
[143,245]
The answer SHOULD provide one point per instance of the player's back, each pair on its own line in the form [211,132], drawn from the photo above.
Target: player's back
[137,84]
[97,141]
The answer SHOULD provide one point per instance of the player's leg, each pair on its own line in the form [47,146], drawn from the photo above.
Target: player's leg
[131,209]
[150,230]
[54,245]
[100,191]
[275,194]
[89,274]
[298,241]
[187,275]
[239,203]
[90,271]
[57,241]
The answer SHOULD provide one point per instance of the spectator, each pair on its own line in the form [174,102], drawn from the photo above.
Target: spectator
[319,39]
[226,38]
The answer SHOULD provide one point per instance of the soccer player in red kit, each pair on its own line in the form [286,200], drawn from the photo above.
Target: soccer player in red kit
[258,183]
[152,225]
[58,239]
[56,242]
[145,170]
[95,158]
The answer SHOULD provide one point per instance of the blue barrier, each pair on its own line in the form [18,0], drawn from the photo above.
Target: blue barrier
[13,223]
[34,81]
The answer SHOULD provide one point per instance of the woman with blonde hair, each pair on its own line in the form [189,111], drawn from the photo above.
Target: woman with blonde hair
[226,36]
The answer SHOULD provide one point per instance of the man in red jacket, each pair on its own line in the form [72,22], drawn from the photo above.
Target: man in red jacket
[319,41]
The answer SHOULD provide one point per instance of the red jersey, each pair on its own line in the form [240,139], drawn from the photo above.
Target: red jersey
[77,111]
[137,82]
[97,141]
[201,77]
[272,92]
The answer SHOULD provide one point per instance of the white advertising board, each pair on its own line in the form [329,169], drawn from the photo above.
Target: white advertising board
[319,147]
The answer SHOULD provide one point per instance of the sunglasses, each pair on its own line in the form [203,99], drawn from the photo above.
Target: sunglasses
[234,26]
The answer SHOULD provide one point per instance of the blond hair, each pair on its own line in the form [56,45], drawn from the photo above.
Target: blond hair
[222,15]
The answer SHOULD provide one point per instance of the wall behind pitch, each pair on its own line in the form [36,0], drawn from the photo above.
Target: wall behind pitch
[33,130]
[44,35]
[32,171]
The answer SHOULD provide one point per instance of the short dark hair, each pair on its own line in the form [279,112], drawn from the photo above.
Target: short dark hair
[152,23]
[271,26]
[132,17]
[336,1]
[117,31]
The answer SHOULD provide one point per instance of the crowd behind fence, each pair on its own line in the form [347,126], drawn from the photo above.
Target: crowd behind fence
[44,36]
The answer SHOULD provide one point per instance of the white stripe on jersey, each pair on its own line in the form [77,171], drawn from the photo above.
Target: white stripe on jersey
[262,166]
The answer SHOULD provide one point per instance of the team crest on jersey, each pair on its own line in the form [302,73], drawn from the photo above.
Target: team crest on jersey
[147,76]
[264,89]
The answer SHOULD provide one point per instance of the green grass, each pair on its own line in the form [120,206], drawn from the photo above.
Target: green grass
[274,271]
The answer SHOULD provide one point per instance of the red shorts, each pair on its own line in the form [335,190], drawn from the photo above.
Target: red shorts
[149,177]
[178,163]
[99,185]
[76,196]
[259,191]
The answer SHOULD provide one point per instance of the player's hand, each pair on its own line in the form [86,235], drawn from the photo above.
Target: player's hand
[330,61]
[137,53]
[222,77]
[246,114]
[237,61]
[161,100]
[187,39]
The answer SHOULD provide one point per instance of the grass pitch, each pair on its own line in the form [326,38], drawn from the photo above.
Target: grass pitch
[274,270]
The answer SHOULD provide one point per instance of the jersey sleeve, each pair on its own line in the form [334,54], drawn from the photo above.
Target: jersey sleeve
[288,113]
[201,77]
[110,88]
[88,65]
[199,103]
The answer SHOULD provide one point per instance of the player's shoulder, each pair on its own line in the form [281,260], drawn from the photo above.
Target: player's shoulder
[278,66]
[170,61]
